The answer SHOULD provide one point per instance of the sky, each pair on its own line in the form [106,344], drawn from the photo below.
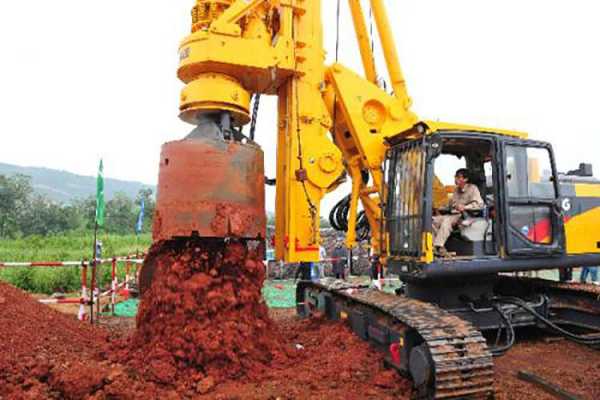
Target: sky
[82,79]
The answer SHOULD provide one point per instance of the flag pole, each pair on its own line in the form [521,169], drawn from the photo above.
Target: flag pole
[98,222]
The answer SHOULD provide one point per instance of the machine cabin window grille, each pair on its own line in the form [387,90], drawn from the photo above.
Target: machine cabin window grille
[406,177]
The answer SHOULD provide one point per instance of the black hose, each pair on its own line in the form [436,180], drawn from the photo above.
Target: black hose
[338,218]
[337,213]
[510,334]
[569,335]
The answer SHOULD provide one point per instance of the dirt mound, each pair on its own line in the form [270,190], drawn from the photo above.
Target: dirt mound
[46,354]
[36,343]
[203,318]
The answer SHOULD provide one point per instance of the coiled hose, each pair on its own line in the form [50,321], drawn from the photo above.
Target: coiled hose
[338,218]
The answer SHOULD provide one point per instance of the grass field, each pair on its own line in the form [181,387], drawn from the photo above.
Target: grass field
[74,246]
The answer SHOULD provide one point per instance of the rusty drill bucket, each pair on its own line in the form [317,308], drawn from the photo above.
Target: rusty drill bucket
[210,188]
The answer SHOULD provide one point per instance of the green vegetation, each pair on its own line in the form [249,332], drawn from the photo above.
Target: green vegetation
[35,228]
[24,213]
[73,246]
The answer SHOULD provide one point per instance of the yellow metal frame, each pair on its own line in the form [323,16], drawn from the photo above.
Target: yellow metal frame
[436,126]
[241,47]
[362,36]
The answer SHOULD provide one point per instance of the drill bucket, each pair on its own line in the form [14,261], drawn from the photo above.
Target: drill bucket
[210,187]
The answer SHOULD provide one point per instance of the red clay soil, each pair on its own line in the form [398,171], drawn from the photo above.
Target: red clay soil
[204,317]
[330,362]
[46,354]
[574,368]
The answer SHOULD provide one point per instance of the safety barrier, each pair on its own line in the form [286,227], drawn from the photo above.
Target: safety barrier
[85,299]
[51,264]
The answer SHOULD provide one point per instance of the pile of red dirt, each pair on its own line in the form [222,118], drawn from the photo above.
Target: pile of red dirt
[204,332]
[36,344]
[330,362]
[203,319]
[46,354]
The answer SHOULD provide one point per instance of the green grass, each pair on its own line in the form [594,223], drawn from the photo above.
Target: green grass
[74,246]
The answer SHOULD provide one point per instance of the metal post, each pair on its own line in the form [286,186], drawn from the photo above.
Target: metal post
[113,287]
[127,267]
[349,262]
[93,282]
[137,272]
[98,291]
[363,40]
[84,295]
[390,53]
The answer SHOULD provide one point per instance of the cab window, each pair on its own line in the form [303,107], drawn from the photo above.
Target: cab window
[528,170]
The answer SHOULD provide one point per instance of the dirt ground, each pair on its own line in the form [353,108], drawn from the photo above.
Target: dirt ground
[571,366]
[47,354]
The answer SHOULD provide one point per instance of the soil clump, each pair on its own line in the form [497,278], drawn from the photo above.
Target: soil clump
[203,319]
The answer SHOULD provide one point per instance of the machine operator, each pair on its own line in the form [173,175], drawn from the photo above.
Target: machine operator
[466,197]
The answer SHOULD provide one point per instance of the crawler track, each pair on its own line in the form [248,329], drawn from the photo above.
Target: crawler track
[462,363]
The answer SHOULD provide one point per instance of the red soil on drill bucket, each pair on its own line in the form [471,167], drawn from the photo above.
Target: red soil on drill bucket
[204,318]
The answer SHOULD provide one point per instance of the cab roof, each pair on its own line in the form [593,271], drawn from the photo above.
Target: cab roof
[436,126]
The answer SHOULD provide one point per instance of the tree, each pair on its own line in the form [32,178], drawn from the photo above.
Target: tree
[325,223]
[149,207]
[120,214]
[14,197]
[46,217]
[25,213]
[85,211]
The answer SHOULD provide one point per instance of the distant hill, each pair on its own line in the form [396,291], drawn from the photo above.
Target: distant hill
[65,186]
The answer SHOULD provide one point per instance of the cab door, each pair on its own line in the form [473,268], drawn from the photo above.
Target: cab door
[408,210]
[533,215]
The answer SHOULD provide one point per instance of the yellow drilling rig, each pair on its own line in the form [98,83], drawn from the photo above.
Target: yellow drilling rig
[334,123]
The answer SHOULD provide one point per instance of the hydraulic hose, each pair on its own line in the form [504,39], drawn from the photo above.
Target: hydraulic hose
[569,335]
[510,334]
[338,218]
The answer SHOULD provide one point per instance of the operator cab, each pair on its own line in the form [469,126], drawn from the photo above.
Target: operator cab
[521,217]
[474,234]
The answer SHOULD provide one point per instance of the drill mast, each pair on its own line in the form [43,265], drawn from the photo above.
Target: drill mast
[240,48]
